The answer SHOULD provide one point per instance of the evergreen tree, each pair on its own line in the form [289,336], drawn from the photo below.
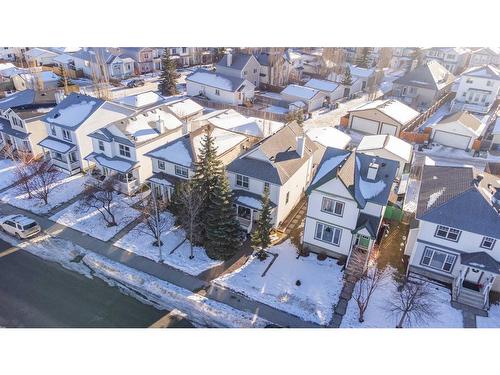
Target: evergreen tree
[347,80]
[363,61]
[169,75]
[222,226]
[261,237]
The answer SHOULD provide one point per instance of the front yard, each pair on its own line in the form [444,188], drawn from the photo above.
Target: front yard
[175,249]
[7,168]
[312,300]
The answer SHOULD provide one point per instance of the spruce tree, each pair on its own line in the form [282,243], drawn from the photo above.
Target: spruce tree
[261,237]
[363,61]
[222,227]
[169,75]
[347,80]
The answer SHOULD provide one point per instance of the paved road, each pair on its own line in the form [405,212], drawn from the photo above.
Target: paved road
[37,293]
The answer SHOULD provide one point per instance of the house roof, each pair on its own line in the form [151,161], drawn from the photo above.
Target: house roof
[92,54]
[369,222]
[28,99]
[178,151]
[302,92]
[393,144]
[6,128]
[219,81]
[56,145]
[431,75]
[396,110]
[281,158]
[249,199]
[484,71]
[358,71]
[143,99]
[239,60]
[115,163]
[329,136]
[451,196]
[480,260]
[184,107]
[352,170]
[322,85]
[465,119]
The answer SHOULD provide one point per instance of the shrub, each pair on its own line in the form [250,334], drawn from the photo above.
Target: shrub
[321,256]
[298,283]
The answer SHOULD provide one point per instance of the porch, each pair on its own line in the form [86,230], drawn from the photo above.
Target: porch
[63,155]
[163,185]
[248,206]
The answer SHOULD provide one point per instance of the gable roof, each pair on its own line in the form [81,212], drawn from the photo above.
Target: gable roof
[282,160]
[465,119]
[484,71]
[143,99]
[329,136]
[302,92]
[396,110]
[450,196]
[358,71]
[239,60]
[393,144]
[431,75]
[219,81]
[178,151]
[322,85]
[481,260]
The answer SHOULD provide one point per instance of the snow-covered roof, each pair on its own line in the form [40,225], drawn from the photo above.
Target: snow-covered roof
[56,145]
[329,137]
[465,119]
[357,71]
[178,152]
[219,81]
[390,143]
[485,71]
[392,108]
[322,85]
[143,99]
[184,107]
[302,92]
[116,163]
[8,70]
[36,52]
[224,140]
[63,58]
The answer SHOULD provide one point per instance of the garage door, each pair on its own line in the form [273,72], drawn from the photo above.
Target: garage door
[364,125]
[388,129]
[451,140]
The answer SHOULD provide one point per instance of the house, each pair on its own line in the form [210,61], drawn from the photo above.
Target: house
[332,90]
[185,108]
[313,99]
[39,56]
[175,160]
[402,58]
[69,125]
[496,135]
[364,75]
[456,236]
[388,147]
[454,59]
[240,65]
[346,203]
[275,69]
[42,80]
[21,125]
[120,66]
[383,116]
[144,100]
[485,56]
[283,163]
[143,56]
[424,85]
[329,136]
[458,130]
[120,147]
[8,70]
[219,88]
[478,89]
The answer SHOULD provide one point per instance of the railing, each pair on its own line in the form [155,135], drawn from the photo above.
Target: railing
[486,291]
[464,106]
[244,222]
[457,286]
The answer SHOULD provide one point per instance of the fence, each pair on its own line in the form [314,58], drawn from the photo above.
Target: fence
[246,111]
[419,138]
[425,116]
[271,101]
[393,213]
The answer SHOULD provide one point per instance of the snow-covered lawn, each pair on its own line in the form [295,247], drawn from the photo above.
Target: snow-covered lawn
[313,300]
[376,315]
[493,319]
[136,241]
[7,168]
[437,116]
[276,109]
[92,222]
[62,191]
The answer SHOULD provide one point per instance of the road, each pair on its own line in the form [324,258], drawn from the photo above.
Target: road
[37,293]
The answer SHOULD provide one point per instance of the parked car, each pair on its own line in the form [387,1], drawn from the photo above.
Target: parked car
[19,226]
[136,82]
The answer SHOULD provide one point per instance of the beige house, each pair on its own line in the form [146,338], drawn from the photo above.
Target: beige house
[458,130]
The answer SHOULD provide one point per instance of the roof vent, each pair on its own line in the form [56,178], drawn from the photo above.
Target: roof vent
[372,170]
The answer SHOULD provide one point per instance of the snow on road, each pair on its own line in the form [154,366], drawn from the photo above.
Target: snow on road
[138,242]
[313,300]
[7,169]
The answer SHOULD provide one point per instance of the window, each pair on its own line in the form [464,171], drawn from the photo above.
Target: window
[53,130]
[489,83]
[58,156]
[66,135]
[124,150]
[447,233]
[217,92]
[242,181]
[488,243]
[184,49]
[328,233]
[181,171]
[72,157]
[332,206]
[245,73]
[267,186]
[26,145]
[438,259]
[255,70]
[243,212]
[287,197]
[161,165]
[469,80]
[101,145]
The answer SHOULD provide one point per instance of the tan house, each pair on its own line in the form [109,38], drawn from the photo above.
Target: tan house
[458,130]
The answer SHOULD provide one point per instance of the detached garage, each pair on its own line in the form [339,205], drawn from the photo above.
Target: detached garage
[381,117]
[458,130]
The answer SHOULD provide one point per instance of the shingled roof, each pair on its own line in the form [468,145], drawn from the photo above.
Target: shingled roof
[431,75]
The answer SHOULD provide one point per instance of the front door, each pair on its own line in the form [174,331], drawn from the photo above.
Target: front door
[362,241]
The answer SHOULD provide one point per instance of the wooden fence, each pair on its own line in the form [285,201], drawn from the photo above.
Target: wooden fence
[411,137]
[246,111]
[425,115]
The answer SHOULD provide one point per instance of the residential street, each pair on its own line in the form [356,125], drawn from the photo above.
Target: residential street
[37,293]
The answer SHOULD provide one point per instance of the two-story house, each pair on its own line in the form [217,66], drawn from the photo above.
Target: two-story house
[175,161]
[456,236]
[120,147]
[240,65]
[21,125]
[143,56]
[346,203]
[454,59]
[478,89]
[283,163]
[485,56]
[69,125]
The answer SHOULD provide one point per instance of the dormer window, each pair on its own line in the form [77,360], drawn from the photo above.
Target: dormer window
[488,243]
[101,145]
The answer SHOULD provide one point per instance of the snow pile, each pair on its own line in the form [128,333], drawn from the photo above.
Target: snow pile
[200,310]
[329,136]
[328,165]
[62,191]
[74,114]
[7,173]
[92,223]
[434,197]
[176,152]
[313,300]
[492,320]
[138,242]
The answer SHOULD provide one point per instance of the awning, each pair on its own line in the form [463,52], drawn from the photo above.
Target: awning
[369,222]
[249,200]
[164,179]
[117,164]
[57,145]
[480,260]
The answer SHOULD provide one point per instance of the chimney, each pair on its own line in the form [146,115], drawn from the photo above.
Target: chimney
[372,170]
[160,125]
[229,59]
[301,145]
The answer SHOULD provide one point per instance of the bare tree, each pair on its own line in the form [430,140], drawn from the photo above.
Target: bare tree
[155,221]
[371,279]
[412,302]
[22,173]
[100,195]
[385,56]
[191,203]
[42,176]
